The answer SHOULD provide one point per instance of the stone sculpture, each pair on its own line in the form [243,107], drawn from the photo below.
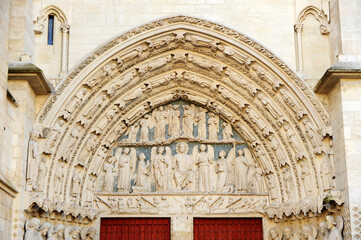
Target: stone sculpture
[288,234]
[334,227]
[306,177]
[294,142]
[42,170]
[33,159]
[109,170]
[309,232]
[275,145]
[287,179]
[43,230]
[58,179]
[274,234]
[144,128]
[126,165]
[201,122]
[71,233]
[227,132]
[89,192]
[159,121]
[31,229]
[143,175]
[188,120]
[56,232]
[53,136]
[213,127]
[74,103]
[241,171]
[76,181]
[204,160]
[326,175]
[70,144]
[97,161]
[174,128]
[222,171]
[292,103]
[161,164]
[183,166]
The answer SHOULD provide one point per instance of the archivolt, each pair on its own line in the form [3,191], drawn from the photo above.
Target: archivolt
[277,114]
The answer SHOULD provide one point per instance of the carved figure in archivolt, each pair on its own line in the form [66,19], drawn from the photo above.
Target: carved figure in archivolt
[109,170]
[201,42]
[275,145]
[105,120]
[89,192]
[292,103]
[311,135]
[76,181]
[272,188]
[154,64]
[275,234]
[70,143]
[262,74]
[294,142]
[270,107]
[241,170]
[53,136]
[256,119]
[227,132]
[43,230]
[135,53]
[335,227]
[142,182]
[309,232]
[174,128]
[183,165]
[326,175]
[288,183]
[118,84]
[306,177]
[75,102]
[161,163]
[204,159]
[87,149]
[42,170]
[254,176]
[159,121]
[92,109]
[144,128]
[126,163]
[115,133]
[31,227]
[97,160]
[237,56]
[264,160]
[33,158]
[188,120]
[59,178]
[205,63]
[213,126]
[201,122]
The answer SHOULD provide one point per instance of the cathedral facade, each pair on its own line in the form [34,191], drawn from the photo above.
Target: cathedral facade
[188,119]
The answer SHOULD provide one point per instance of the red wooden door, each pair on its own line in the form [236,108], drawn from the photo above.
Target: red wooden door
[227,228]
[135,228]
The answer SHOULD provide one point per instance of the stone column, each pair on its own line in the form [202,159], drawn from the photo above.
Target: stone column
[182,227]
[64,49]
[298,30]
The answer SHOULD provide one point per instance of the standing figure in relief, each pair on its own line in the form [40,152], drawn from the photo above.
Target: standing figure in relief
[97,161]
[31,227]
[188,120]
[183,165]
[306,177]
[293,140]
[174,128]
[309,232]
[71,143]
[258,178]
[89,192]
[334,227]
[42,169]
[241,171]
[159,121]
[53,137]
[132,132]
[275,145]
[227,132]
[326,175]
[204,160]
[213,127]
[76,184]
[56,232]
[161,163]
[202,122]
[287,179]
[311,134]
[288,233]
[43,230]
[144,128]
[58,179]
[75,102]
[221,171]
[109,170]
[272,187]
[126,164]
[143,173]
[33,159]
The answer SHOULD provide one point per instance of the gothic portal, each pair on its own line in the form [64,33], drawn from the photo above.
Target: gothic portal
[182,118]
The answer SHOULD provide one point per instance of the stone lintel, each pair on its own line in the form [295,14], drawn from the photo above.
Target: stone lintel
[6,185]
[26,71]
[341,70]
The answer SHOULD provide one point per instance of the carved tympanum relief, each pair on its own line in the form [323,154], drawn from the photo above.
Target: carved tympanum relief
[181,147]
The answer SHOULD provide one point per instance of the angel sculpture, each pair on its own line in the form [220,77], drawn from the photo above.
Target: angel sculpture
[188,120]
[335,227]
[213,126]
[126,164]
[184,175]
[204,159]
[158,122]
[143,173]
[161,165]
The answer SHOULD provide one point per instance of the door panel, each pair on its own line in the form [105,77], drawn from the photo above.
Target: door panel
[135,228]
[227,228]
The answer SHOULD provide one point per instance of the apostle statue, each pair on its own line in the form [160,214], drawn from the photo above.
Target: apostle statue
[204,159]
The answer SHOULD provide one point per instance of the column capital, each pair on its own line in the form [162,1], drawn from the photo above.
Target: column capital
[298,27]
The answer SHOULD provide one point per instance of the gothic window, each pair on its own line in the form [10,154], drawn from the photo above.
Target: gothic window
[51,30]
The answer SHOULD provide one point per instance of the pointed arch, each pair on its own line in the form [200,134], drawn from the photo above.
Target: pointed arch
[278,116]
